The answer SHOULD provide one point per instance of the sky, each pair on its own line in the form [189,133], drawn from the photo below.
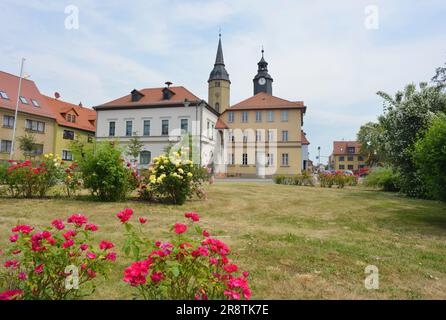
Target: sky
[333,55]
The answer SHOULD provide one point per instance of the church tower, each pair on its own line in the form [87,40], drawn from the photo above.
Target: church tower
[219,83]
[263,81]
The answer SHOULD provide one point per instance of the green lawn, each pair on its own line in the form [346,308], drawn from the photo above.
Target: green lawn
[297,242]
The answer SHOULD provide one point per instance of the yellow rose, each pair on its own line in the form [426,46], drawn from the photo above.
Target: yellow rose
[180,170]
[190,174]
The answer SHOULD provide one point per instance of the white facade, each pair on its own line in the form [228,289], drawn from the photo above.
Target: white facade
[147,124]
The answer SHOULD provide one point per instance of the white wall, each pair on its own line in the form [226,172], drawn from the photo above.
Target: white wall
[156,143]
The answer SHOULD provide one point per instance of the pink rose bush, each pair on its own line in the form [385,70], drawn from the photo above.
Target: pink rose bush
[45,263]
[189,266]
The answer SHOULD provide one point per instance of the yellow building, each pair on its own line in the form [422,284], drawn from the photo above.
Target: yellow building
[346,156]
[260,136]
[33,117]
[73,123]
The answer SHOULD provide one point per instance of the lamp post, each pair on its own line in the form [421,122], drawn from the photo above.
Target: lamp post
[319,156]
[11,154]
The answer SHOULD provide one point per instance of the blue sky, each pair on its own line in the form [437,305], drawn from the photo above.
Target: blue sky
[318,51]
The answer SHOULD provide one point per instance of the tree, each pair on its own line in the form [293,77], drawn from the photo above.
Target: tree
[370,137]
[440,77]
[405,120]
[430,157]
[27,144]
[134,148]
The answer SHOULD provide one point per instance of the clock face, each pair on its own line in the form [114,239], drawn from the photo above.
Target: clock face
[262,81]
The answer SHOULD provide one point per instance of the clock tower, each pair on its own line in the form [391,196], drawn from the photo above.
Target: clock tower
[263,81]
[219,84]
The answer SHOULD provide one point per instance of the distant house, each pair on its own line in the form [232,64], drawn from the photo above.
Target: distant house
[73,122]
[159,117]
[34,116]
[346,156]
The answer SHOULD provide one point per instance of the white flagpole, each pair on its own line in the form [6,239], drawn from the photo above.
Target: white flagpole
[11,154]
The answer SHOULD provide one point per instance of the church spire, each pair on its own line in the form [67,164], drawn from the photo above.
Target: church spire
[219,72]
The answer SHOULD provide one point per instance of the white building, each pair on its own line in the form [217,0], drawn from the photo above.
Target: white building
[160,117]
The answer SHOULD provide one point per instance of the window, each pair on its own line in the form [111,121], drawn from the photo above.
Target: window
[146,128]
[111,128]
[4,95]
[128,128]
[23,100]
[67,155]
[284,159]
[245,116]
[231,116]
[360,158]
[217,107]
[341,167]
[270,135]
[36,126]
[270,159]
[208,129]
[35,103]
[284,115]
[341,158]
[350,167]
[145,157]
[212,131]
[350,158]
[245,159]
[351,149]
[258,116]
[231,159]
[38,149]
[5,146]
[90,139]
[270,116]
[165,127]
[184,124]
[71,118]
[8,121]
[258,135]
[284,135]
[245,137]
[68,135]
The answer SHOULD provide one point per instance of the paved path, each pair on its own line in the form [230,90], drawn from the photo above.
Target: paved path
[257,180]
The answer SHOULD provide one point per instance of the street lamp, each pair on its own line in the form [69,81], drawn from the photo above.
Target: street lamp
[11,153]
[319,156]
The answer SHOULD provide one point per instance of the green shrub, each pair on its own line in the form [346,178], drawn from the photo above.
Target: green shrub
[430,157]
[106,174]
[384,178]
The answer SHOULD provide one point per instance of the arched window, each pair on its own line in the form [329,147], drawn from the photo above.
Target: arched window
[217,107]
[145,157]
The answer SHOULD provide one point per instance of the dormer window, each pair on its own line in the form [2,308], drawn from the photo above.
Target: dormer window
[167,94]
[4,95]
[136,95]
[35,103]
[23,100]
[351,150]
[71,118]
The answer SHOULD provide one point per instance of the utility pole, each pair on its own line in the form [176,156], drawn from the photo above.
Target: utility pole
[11,154]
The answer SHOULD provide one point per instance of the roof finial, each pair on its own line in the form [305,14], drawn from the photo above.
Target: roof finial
[263,51]
[219,33]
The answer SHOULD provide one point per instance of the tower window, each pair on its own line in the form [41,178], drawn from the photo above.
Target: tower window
[217,83]
[217,107]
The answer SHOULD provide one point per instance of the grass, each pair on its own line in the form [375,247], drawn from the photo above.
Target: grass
[297,242]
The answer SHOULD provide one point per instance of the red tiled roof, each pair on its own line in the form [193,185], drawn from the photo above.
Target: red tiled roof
[340,147]
[221,124]
[83,118]
[263,100]
[303,138]
[152,96]
[10,83]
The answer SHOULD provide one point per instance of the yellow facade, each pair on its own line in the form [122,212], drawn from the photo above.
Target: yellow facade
[351,162]
[219,94]
[44,139]
[63,145]
[258,143]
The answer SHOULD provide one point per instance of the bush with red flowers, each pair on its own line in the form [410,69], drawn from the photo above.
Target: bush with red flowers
[72,179]
[189,266]
[54,263]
